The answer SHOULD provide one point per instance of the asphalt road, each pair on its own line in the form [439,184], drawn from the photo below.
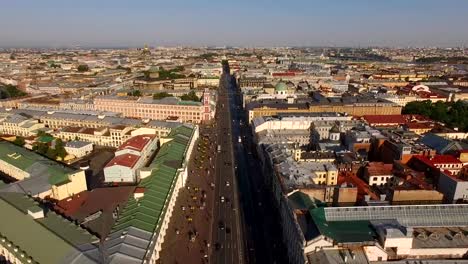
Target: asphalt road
[261,222]
[228,244]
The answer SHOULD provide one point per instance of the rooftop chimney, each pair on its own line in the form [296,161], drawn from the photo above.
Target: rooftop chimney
[382,197]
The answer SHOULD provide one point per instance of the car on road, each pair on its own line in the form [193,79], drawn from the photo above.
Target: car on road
[222,199]
[227,183]
[218,246]
[221,225]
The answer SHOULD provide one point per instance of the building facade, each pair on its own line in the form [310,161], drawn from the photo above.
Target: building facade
[163,109]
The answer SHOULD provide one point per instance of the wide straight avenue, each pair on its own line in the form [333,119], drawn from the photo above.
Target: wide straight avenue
[245,233]
[227,227]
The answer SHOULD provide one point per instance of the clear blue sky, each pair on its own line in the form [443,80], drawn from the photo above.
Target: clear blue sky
[237,22]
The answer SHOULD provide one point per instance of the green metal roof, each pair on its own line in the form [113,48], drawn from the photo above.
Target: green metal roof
[281,86]
[146,212]
[45,139]
[25,160]
[342,231]
[56,237]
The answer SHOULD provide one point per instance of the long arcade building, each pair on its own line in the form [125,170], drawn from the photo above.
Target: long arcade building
[139,231]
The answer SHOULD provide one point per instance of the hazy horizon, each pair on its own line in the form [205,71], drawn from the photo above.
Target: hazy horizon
[295,23]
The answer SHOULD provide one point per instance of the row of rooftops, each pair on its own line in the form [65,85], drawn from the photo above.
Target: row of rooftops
[306,103]
[139,221]
[149,100]
[87,118]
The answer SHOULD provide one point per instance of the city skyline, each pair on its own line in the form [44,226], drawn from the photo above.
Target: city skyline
[293,132]
[295,23]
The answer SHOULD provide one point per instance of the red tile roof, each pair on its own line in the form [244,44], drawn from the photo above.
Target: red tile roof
[379,168]
[430,95]
[445,159]
[396,119]
[385,119]
[279,74]
[413,125]
[137,143]
[438,159]
[126,160]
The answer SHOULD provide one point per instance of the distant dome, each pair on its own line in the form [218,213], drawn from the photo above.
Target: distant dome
[154,69]
[281,86]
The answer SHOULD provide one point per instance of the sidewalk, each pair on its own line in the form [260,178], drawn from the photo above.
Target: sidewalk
[187,217]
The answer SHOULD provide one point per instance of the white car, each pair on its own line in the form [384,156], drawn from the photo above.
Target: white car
[222,199]
[227,183]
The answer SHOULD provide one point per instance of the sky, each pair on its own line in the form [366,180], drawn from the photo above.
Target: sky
[249,23]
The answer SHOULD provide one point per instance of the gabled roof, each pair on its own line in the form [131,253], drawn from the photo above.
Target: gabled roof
[125,160]
[137,143]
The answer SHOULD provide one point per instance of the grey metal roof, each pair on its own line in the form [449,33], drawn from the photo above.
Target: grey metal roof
[33,185]
[77,144]
[436,142]
[127,247]
[406,215]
